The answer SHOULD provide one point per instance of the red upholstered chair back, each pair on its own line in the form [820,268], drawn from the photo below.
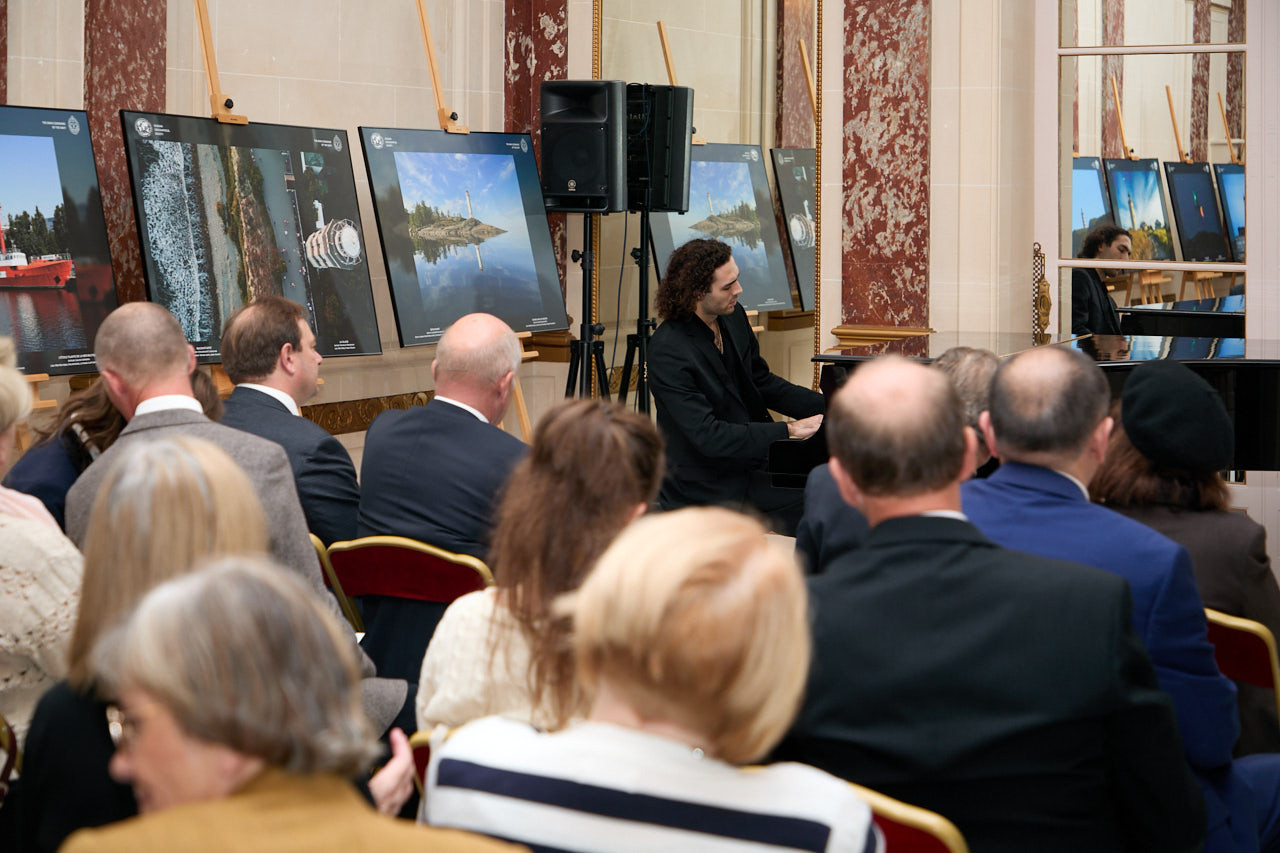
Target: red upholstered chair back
[1245,650]
[405,568]
[348,606]
[12,758]
[910,829]
[420,743]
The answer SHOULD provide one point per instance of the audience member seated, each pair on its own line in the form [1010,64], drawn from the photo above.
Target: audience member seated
[592,469]
[86,425]
[1161,469]
[691,636]
[433,473]
[39,574]
[1048,423]
[238,723]
[269,352]
[831,527]
[164,505]
[1005,691]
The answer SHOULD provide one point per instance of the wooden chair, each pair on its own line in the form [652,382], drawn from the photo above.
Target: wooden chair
[911,829]
[1245,650]
[420,743]
[348,606]
[400,567]
[12,759]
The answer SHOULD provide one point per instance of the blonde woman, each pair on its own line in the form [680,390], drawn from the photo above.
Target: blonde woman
[40,573]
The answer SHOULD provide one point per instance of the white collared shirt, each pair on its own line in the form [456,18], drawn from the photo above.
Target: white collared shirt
[168,401]
[275,394]
[1084,490]
[461,405]
[945,513]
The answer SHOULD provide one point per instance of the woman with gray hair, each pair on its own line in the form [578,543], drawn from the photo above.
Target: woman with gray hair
[239,722]
[40,572]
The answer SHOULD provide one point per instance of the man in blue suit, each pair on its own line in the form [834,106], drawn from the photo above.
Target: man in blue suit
[269,352]
[433,473]
[1048,424]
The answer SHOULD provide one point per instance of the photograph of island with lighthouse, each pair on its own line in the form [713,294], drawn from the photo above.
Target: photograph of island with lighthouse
[56,285]
[729,200]
[228,213]
[463,229]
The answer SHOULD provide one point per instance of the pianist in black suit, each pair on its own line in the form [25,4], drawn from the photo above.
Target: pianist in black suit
[1092,311]
[714,392]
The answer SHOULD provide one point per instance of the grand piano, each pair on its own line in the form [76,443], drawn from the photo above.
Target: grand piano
[1245,372]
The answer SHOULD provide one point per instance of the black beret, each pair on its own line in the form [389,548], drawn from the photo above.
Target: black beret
[1175,418]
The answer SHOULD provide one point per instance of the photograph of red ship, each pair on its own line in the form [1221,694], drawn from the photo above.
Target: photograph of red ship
[45,271]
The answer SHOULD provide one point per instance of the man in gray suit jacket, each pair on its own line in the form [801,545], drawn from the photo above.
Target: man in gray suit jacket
[146,364]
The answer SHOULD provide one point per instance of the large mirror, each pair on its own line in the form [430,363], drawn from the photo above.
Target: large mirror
[729,52]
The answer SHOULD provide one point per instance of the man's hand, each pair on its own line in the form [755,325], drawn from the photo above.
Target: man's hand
[805,427]
[392,785]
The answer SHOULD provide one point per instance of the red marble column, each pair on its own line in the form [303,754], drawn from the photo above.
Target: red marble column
[795,114]
[124,68]
[4,52]
[1234,96]
[885,233]
[1199,122]
[537,49]
[1112,34]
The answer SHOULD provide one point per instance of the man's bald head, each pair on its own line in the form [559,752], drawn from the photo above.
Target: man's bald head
[897,429]
[1045,405]
[477,348]
[141,342]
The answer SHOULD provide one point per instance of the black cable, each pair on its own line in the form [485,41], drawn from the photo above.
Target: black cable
[617,311]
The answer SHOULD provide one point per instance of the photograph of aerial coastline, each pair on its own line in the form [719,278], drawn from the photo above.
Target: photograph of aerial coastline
[1195,212]
[227,214]
[729,200]
[56,285]
[1137,200]
[1089,205]
[1230,177]
[463,229]
[793,170]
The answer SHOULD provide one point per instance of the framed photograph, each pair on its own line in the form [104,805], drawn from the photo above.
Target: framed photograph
[1090,206]
[729,200]
[1137,200]
[55,268]
[793,170]
[228,213]
[463,229]
[1195,212]
[1230,178]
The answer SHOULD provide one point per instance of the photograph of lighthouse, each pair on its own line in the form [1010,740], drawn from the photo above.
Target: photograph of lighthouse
[1137,200]
[229,213]
[729,200]
[56,284]
[463,229]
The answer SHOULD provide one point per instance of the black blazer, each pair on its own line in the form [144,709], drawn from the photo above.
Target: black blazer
[321,466]
[830,527]
[715,435]
[1091,307]
[1005,691]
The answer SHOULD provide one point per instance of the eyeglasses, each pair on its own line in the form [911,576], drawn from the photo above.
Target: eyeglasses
[122,728]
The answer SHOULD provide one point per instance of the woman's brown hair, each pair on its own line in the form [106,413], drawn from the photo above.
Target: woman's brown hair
[1127,478]
[589,467]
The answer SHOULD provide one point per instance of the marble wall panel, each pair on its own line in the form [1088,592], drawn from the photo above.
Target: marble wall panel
[885,227]
[1199,119]
[1112,33]
[4,51]
[124,68]
[1235,71]
[795,114]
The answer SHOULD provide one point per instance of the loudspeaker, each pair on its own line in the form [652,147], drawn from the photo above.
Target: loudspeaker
[659,135]
[583,156]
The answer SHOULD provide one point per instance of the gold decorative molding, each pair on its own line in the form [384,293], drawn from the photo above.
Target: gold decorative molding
[855,335]
[553,346]
[355,415]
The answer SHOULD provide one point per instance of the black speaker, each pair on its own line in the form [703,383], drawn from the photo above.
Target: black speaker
[583,156]
[659,135]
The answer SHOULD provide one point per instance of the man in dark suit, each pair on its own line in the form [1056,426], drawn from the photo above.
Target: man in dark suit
[713,392]
[1007,692]
[1092,311]
[1048,423]
[146,364]
[269,352]
[433,473]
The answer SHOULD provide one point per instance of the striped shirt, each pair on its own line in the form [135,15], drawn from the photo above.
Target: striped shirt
[599,787]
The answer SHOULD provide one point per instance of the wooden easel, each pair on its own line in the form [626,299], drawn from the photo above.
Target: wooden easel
[1150,282]
[219,103]
[671,71]
[449,124]
[1203,281]
[1236,159]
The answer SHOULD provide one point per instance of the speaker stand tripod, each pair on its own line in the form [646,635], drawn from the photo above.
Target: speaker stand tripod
[638,342]
[588,349]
